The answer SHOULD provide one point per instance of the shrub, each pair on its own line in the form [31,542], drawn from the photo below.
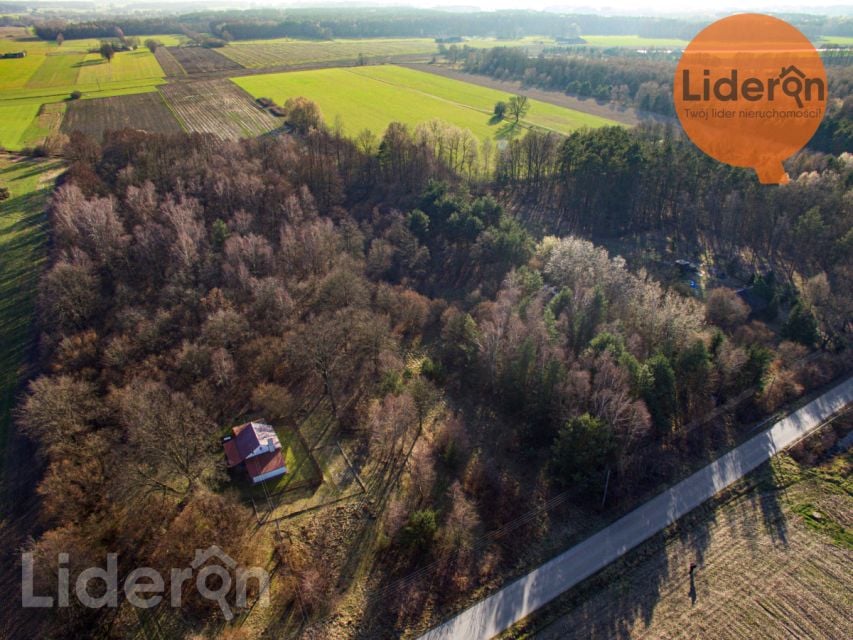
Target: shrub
[725,309]
[420,531]
[801,326]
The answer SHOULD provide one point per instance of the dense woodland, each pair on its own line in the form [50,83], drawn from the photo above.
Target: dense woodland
[192,280]
[630,80]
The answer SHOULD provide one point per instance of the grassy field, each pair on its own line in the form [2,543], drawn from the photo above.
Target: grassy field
[128,66]
[771,560]
[15,120]
[259,54]
[372,97]
[22,256]
[634,41]
[57,70]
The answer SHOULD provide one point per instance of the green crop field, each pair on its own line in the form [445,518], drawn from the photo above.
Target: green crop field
[127,66]
[255,54]
[22,254]
[634,41]
[373,97]
[259,54]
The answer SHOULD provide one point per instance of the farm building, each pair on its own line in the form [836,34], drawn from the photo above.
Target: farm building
[757,303]
[15,54]
[255,447]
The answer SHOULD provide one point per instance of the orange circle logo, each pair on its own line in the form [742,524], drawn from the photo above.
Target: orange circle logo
[750,90]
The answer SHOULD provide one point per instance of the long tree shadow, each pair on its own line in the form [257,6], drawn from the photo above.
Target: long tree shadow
[89,63]
[509,130]
[685,513]
[646,575]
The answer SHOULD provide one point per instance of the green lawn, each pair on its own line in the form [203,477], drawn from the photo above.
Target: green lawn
[22,256]
[373,97]
[634,41]
[300,470]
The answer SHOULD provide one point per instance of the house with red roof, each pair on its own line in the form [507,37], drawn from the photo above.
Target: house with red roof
[256,447]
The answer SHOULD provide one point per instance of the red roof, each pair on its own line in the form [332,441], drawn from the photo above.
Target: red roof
[252,435]
[264,463]
[232,454]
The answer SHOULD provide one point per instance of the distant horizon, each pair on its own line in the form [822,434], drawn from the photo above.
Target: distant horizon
[612,7]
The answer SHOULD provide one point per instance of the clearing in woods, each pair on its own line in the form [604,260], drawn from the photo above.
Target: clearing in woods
[145,111]
[202,60]
[771,560]
[373,97]
[218,107]
[23,224]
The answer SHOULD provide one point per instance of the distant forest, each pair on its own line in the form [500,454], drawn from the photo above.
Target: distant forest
[644,83]
[400,23]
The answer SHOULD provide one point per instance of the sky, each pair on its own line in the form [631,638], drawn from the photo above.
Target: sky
[625,6]
[712,8]
[631,7]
